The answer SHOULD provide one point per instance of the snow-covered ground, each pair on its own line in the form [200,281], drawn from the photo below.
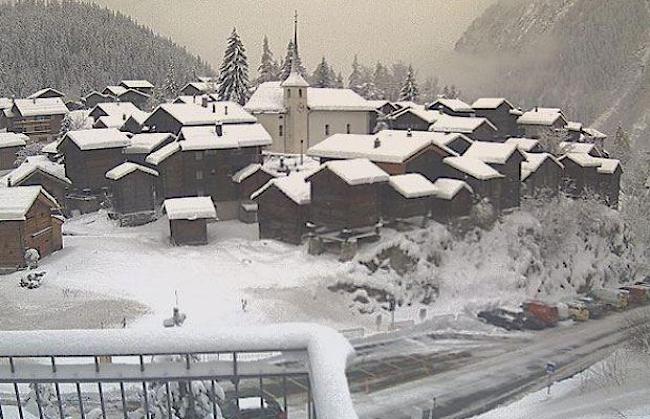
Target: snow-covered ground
[614,388]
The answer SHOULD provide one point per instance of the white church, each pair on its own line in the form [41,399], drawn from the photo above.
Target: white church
[298,116]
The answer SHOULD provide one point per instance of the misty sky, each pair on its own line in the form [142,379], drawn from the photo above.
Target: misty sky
[417,31]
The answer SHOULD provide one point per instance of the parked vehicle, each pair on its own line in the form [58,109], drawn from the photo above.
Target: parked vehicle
[510,319]
[616,298]
[596,308]
[576,310]
[253,404]
[638,293]
[545,314]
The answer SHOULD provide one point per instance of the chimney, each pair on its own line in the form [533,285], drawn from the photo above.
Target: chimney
[214,108]
[377,142]
[225,109]
[204,102]
[409,133]
[218,128]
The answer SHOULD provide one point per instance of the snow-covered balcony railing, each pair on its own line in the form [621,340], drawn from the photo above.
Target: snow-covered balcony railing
[298,369]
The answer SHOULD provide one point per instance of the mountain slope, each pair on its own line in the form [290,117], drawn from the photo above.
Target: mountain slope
[78,47]
[588,56]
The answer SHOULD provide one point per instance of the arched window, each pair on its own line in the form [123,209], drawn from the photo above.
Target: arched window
[299,92]
[327,129]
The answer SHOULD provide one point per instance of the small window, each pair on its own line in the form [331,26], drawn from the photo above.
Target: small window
[348,128]
[199,175]
[289,93]
[281,131]
[300,92]
[198,155]
[327,129]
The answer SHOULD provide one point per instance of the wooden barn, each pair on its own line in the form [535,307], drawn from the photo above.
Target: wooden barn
[172,117]
[46,93]
[28,220]
[506,159]
[10,144]
[114,91]
[477,129]
[143,86]
[197,88]
[89,154]
[188,218]
[452,199]
[40,171]
[582,148]
[541,175]
[39,119]
[396,152]
[384,107]
[456,142]
[580,174]
[283,208]
[117,112]
[133,193]
[415,119]
[407,196]
[526,145]
[134,96]
[609,181]
[346,194]
[134,124]
[168,162]
[574,131]
[141,145]
[248,180]
[501,113]
[452,107]
[484,180]
[535,123]
[93,99]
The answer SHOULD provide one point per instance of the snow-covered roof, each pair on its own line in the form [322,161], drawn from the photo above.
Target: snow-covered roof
[517,112]
[232,136]
[43,106]
[114,90]
[139,117]
[409,104]
[6,102]
[248,171]
[196,100]
[443,139]
[461,124]
[294,186]
[608,166]
[295,80]
[200,85]
[133,92]
[51,148]
[534,161]
[111,121]
[94,139]
[33,164]
[455,105]
[189,114]
[425,115]
[473,167]
[570,147]
[117,109]
[448,188]
[378,103]
[581,159]
[161,155]
[523,144]
[355,171]
[496,153]
[144,143]
[490,103]
[269,97]
[15,202]
[137,84]
[10,139]
[191,208]
[593,132]
[38,94]
[574,126]
[394,146]
[412,185]
[541,116]
[118,172]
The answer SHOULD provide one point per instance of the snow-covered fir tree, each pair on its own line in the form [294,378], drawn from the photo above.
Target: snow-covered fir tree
[429,90]
[355,79]
[339,81]
[233,73]
[450,92]
[170,88]
[409,91]
[322,76]
[382,81]
[286,64]
[268,69]
[66,125]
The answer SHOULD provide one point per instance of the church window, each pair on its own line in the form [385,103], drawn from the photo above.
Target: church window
[348,129]
[327,129]
[289,93]
[280,130]
[300,92]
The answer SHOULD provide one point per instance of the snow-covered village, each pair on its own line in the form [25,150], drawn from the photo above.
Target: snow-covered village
[324,209]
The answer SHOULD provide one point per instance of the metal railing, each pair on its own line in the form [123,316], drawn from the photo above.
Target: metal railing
[291,371]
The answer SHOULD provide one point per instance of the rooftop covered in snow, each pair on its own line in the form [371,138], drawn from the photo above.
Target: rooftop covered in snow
[40,107]
[461,124]
[491,103]
[232,136]
[448,188]
[355,171]
[294,186]
[15,202]
[137,84]
[425,115]
[455,105]
[95,139]
[248,171]
[472,167]
[192,208]
[541,116]
[121,110]
[33,164]
[488,152]
[46,92]
[10,139]
[523,144]
[118,172]
[534,161]
[188,114]
[144,143]
[163,153]
[412,185]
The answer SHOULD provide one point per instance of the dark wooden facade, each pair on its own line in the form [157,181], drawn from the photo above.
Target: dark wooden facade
[95,98]
[579,180]
[491,189]
[87,168]
[440,106]
[134,193]
[460,205]
[162,121]
[56,187]
[394,205]
[408,120]
[511,184]
[545,181]
[252,183]
[503,119]
[188,232]
[280,217]
[136,97]
[609,186]
[8,157]
[39,128]
[170,177]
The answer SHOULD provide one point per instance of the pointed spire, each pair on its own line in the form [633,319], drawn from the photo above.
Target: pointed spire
[295,79]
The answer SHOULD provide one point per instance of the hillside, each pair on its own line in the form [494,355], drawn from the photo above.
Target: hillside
[78,47]
[588,56]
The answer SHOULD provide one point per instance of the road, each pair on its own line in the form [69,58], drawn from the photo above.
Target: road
[473,380]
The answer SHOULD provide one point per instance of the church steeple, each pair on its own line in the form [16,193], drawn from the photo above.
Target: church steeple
[295,79]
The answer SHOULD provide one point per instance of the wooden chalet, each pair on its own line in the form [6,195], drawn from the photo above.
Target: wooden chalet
[89,154]
[346,194]
[197,88]
[136,97]
[46,93]
[74,105]
[94,98]
[477,129]
[10,144]
[541,174]
[39,119]
[142,145]
[574,131]
[188,219]
[384,107]
[407,196]
[172,117]
[283,208]
[506,159]
[396,152]
[133,193]
[609,181]
[134,124]
[168,162]
[526,145]
[40,171]
[143,86]
[535,123]
[415,119]
[28,220]
[451,107]
[484,180]
[501,113]
[452,199]
[116,111]
[582,148]
[580,174]
[456,142]
[250,179]
[114,91]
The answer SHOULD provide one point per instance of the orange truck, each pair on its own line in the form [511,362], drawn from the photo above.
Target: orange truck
[545,313]
[638,294]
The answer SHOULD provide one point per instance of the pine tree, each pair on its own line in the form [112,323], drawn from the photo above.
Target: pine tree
[233,73]
[409,91]
[322,75]
[268,69]
[286,64]
[355,78]
[339,81]
[382,81]
[429,90]
[170,88]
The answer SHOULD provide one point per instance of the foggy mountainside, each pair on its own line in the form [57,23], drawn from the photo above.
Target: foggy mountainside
[587,56]
[78,47]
